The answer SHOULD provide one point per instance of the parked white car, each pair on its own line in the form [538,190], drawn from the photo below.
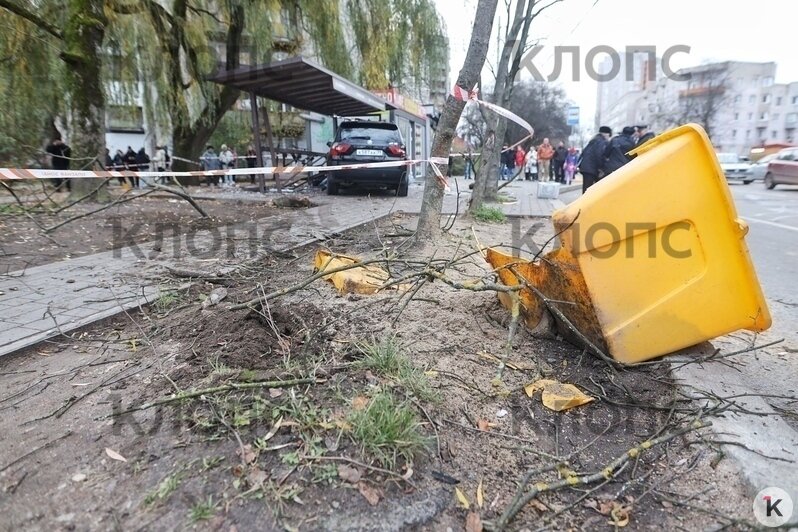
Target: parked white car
[758,169]
[734,167]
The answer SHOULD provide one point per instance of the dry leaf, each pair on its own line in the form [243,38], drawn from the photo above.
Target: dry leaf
[619,515]
[370,493]
[274,393]
[360,402]
[256,477]
[269,435]
[348,474]
[431,373]
[473,522]
[484,424]
[556,395]
[249,454]
[115,455]
[480,495]
[462,500]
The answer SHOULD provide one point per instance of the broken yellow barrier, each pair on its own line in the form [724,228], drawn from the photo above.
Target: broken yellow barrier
[556,395]
[365,279]
[653,257]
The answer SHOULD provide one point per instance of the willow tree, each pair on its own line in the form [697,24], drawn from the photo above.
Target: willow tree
[401,43]
[79,46]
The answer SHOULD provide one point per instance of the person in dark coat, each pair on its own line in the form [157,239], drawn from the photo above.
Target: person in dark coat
[507,161]
[643,134]
[560,153]
[591,162]
[142,165]
[130,164]
[59,160]
[616,152]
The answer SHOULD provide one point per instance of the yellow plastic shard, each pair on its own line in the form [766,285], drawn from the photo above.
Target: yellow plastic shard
[366,279]
[556,395]
[653,257]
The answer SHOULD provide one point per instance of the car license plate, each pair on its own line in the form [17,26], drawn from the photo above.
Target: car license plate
[369,152]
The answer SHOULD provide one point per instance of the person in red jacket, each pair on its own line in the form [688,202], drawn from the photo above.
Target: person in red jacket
[519,158]
[545,154]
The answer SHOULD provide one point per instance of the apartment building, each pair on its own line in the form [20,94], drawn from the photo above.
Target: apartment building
[738,103]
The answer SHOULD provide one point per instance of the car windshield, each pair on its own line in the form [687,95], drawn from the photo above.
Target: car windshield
[767,158]
[728,158]
[377,135]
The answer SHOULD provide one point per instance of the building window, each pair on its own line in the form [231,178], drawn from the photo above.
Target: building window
[125,118]
[773,134]
[752,99]
[794,100]
[778,100]
[791,118]
[736,116]
[737,98]
[747,134]
[776,116]
[767,82]
[750,116]
[734,133]
[763,116]
[766,98]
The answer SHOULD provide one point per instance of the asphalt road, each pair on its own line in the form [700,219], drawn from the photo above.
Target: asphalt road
[772,217]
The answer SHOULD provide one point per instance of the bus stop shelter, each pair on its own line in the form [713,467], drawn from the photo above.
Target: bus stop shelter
[305,85]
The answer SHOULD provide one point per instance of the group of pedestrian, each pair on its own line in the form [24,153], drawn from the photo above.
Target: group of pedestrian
[605,154]
[227,158]
[544,162]
[133,161]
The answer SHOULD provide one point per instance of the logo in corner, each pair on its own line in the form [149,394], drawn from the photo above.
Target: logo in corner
[772,507]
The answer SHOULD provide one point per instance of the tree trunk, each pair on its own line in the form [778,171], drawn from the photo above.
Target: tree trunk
[486,181]
[429,220]
[83,39]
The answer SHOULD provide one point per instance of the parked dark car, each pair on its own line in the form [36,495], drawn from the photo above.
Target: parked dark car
[364,141]
[783,170]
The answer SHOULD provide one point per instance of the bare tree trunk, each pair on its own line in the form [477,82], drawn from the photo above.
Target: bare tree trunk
[429,220]
[486,181]
[83,39]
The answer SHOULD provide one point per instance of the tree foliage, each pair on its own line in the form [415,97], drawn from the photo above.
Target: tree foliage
[164,50]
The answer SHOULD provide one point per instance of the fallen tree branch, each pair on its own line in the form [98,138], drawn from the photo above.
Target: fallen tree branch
[522,497]
[181,194]
[118,201]
[218,389]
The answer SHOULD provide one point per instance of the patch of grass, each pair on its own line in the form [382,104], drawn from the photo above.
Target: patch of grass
[388,430]
[490,214]
[386,357]
[203,510]
[11,209]
[165,488]
[218,367]
[165,301]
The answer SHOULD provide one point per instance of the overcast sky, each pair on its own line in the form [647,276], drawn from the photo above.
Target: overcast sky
[716,30]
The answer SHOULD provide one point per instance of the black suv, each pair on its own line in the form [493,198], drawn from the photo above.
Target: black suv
[364,141]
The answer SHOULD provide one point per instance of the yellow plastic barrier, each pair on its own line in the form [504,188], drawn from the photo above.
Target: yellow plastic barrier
[653,255]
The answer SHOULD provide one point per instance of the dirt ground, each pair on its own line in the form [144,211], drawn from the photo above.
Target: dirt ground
[251,452]
[22,243]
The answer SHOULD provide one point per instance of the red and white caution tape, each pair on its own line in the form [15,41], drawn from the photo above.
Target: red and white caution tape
[462,94]
[34,173]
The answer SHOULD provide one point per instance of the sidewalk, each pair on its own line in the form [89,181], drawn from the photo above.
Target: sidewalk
[42,302]
[527,203]
[57,298]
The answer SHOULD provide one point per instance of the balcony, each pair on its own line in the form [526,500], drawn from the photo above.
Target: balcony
[697,92]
